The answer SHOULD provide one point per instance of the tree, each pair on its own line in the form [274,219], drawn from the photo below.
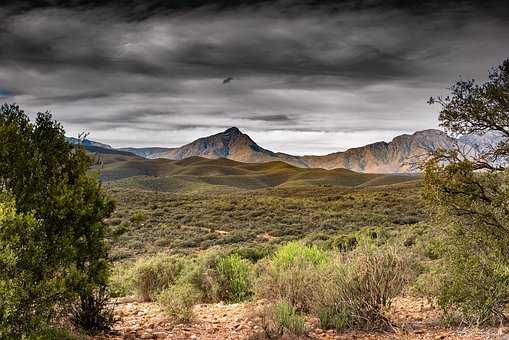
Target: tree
[52,238]
[469,190]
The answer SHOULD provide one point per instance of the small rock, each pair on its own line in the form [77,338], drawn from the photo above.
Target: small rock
[503,330]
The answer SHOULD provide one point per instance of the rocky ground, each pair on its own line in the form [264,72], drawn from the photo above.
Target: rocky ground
[413,319]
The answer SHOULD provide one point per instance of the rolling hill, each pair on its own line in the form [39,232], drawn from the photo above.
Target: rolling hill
[198,173]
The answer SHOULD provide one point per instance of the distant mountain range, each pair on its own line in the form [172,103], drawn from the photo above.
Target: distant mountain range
[88,143]
[397,156]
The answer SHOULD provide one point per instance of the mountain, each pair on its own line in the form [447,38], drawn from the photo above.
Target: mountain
[87,142]
[103,153]
[149,153]
[396,156]
[400,155]
[231,144]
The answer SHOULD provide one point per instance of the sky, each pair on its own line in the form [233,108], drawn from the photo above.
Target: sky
[308,78]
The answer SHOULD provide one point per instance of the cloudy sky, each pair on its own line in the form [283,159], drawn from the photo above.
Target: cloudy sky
[307,78]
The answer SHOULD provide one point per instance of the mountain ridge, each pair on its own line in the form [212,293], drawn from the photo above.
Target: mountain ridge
[383,157]
[400,155]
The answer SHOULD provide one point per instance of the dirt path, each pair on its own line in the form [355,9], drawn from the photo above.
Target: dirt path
[415,319]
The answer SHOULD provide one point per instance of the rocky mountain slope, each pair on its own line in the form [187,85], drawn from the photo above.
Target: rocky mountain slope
[87,143]
[400,155]
[397,156]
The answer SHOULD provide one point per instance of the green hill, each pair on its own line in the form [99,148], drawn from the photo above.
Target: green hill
[197,174]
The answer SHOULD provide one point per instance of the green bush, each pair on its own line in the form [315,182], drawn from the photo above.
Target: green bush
[93,312]
[234,278]
[154,274]
[474,287]
[295,252]
[288,320]
[178,301]
[291,274]
[221,277]
[122,280]
[137,217]
[356,291]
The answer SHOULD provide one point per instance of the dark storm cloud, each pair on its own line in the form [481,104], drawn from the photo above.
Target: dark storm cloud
[74,97]
[270,118]
[132,67]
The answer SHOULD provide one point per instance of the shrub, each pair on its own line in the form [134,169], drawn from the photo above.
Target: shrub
[234,277]
[93,312]
[52,333]
[178,301]
[152,275]
[221,277]
[122,280]
[474,289]
[356,291]
[365,237]
[254,253]
[282,319]
[291,275]
[137,217]
[289,320]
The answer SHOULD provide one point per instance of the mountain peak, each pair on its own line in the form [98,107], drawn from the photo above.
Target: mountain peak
[233,130]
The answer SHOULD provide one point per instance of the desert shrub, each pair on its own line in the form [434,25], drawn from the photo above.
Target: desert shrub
[254,253]
[152,275]
[355,292]
[52,234]
[291,275]
[474,286]
[221,277]
[288,320]
[282,320]
[137,217]
[178,300]
[234,276]
[122,279]
[367,236]
[93,312]
[295,252]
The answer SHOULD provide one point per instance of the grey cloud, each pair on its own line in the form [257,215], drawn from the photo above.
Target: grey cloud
[349,66]
[271,118]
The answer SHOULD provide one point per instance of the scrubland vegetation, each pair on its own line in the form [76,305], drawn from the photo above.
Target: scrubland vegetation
[338,254]
[147,222]
[343,289]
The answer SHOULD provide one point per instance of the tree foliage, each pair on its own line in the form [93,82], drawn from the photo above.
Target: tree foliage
[469,189]
[52,238]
